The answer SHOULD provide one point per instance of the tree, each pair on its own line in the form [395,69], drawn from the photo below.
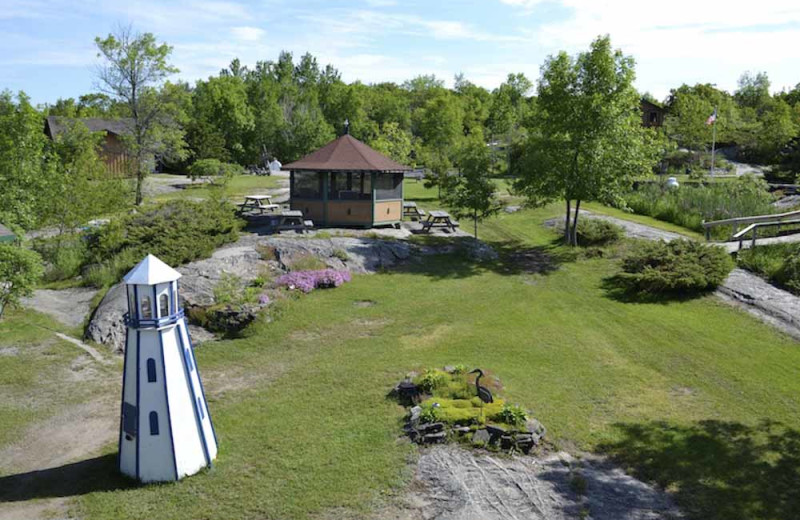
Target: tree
[587,142]
[394,142]
[753,90]
[471,194]
[20,269]
[221,119]
[25,179]
[439,127]
[83,187]
[135,67]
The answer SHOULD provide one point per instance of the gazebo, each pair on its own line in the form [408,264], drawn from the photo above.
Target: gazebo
[347,183]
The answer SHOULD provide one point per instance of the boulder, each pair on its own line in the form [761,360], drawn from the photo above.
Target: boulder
[106,325]
[481,437]
[361,255]
[196,286]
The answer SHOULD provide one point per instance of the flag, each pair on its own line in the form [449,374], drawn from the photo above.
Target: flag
[712,117]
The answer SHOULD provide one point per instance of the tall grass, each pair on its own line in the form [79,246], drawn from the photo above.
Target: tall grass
[688,206]
[779,263]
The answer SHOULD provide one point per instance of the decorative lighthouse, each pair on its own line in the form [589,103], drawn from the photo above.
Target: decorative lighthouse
[165,429]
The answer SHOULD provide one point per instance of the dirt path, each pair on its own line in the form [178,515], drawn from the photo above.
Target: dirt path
[68,306]
[452,483]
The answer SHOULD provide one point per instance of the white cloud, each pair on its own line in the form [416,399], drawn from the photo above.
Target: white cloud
[247,34]
[709,41]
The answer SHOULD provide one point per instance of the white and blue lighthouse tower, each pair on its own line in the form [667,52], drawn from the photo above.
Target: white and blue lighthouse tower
[165,428]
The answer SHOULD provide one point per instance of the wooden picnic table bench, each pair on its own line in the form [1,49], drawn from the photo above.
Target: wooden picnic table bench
[292,220]
[410,209]
[438,218]
[256,202]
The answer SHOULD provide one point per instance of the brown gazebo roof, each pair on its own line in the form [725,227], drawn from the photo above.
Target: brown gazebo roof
[346,154]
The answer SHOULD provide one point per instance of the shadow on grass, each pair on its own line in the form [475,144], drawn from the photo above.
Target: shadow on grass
[717,470]
[462,257]
[78,478]
[616,288]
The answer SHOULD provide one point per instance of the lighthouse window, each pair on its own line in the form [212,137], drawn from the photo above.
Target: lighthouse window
[188,357]
[163,305]
[153,423]
[151,370]
[147,310]
[200,408]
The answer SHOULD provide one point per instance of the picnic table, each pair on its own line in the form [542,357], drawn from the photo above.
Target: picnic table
[257,202]
[289,220]
[439,219]
[410,209]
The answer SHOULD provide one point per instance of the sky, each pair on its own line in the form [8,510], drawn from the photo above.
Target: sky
[47,47]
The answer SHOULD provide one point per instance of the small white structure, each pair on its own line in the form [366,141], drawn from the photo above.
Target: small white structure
[165,428]
[672,182]
[275,166]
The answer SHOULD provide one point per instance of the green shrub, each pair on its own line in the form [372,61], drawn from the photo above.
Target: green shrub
[20,270]
[680,265]
[64,256]
[177,232]
[341,254]
[514,415]
[432,379]
[268,253]
[594,232]
[779,263]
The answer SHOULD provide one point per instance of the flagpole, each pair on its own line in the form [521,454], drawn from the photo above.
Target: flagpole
[713,140]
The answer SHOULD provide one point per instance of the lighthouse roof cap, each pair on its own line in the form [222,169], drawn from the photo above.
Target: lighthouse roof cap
[151,271]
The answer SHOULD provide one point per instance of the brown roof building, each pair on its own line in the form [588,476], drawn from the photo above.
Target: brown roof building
[347,183]
[652,114]
[113,149]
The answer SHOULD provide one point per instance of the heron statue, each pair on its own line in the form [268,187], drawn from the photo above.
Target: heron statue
[483,393]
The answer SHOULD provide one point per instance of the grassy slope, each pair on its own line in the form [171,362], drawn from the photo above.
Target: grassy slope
[311,429]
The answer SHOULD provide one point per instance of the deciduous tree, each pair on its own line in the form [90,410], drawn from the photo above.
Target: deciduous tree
[588,142]
[136,65]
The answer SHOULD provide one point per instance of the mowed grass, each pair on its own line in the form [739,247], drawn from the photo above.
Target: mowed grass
[306,430]
[237,188]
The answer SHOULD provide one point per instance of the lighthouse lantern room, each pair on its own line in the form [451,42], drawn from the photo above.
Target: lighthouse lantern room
[165,428]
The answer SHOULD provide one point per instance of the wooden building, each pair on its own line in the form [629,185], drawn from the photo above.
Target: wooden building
[347,183]
[113,150]
[652,114]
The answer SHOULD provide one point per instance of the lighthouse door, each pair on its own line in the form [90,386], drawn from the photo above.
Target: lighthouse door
[130,420]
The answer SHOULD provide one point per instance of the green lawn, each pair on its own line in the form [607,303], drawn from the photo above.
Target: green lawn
[237,188]
[305,427]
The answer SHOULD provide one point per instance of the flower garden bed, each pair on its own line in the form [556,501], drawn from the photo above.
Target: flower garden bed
[443,406]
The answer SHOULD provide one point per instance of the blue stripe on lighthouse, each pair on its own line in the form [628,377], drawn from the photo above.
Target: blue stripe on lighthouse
[195,399]
[202,390]
[122,401]
[166,400]
[138,410]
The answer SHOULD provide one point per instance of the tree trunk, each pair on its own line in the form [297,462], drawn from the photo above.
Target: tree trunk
[575,223]
[139,182]
[475,222]
[566,226]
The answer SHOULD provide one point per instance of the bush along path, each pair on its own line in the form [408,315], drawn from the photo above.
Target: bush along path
[741,288]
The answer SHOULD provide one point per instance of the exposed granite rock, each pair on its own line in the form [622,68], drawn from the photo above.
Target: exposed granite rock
[106,325]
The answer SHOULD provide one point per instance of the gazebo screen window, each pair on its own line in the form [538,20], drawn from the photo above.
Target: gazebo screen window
[350,186]
[307,185]
[389,186]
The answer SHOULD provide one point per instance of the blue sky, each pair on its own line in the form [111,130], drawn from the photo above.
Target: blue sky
[46,47]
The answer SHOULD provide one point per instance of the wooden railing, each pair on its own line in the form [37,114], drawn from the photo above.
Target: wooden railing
[755,227]
[776,219]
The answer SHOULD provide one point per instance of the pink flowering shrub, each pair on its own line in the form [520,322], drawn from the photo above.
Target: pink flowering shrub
[307,281]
